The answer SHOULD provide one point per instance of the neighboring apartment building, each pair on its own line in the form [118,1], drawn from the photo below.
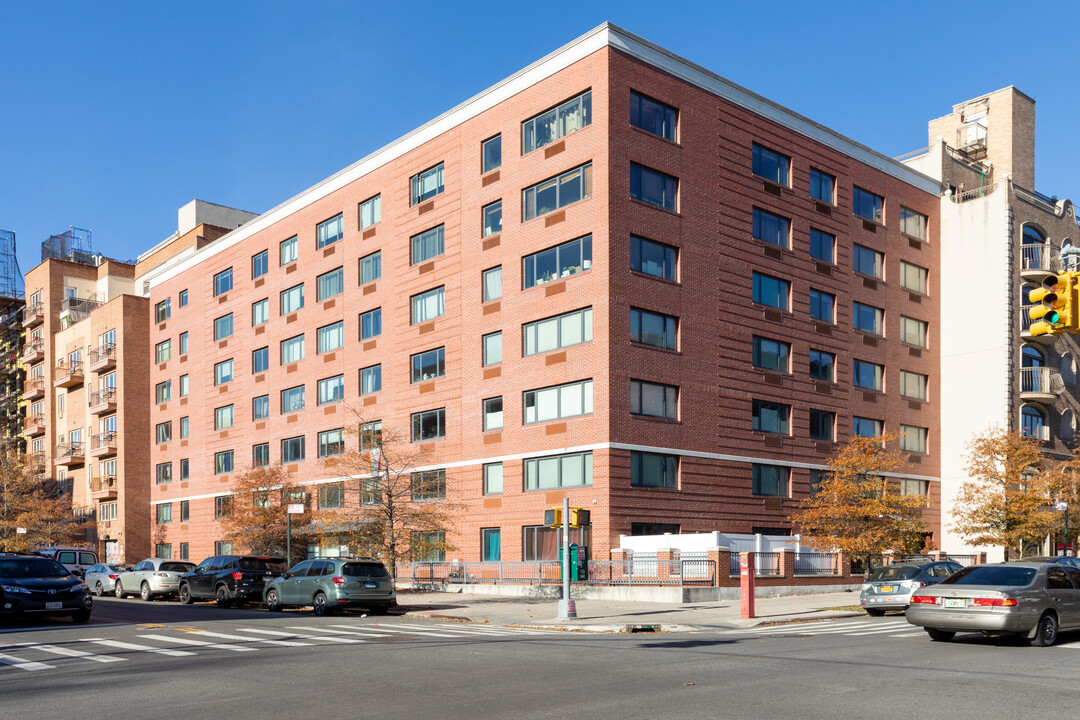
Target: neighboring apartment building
[12,300]
[614,277]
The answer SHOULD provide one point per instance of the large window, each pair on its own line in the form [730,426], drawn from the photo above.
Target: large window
[426,184]
[544,543]
[428,365]
[822,186]
[653,116]
[184,343]
[491,284]
[162,391]
[770,480]
[427,305]
[163,351]
[771,228]
[493,413]
[492,218]
[492,348]
[557,402]
[223,327]
[912,223]
[331,495]
[428,485]
[292,299]
[822,365]
[912,438]
[654,329]
[866,427]
[868,319]
[868,262]
[912,331]
[558,471]
[822,425]
[653,258]
[164,513]
[331,442]
[163,310]
[371,267]
[260,407]
[771,291]
[331,390]
[260,455]
[550,125]
[428,425]
[490,544]
[292,400]
[223,417]
[223,372]
[260,264]
[371,435]
[772,354]
[654,399]
[493,478]
[329,284]
[292,449]
[331,337]
[260,312]
[427,546]
[867,205]
[288,251]
[491,154]
[223,282]
[822,246]
[163,432]
[371,324]
[912,385]
[329,231]
[771,417]
[913,277]
[867,375]
[292,350]
[560,261]
[561,331]
[260,360]
[654,470]
[223,462]
[654,187]
[557,192]
[370,379]
[822,306]
[370,212]
[771,165]
[426,245]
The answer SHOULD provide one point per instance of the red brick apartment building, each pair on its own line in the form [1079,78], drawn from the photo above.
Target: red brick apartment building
[614,277]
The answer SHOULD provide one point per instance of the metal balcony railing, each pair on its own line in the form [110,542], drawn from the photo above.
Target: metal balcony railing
[101,352]
[34,421]
[66,369]
[1041,380]
[102,483]
[1040,256]
[34,312]
[34,346]
[34,383]
[69,450]
[102,396]
[102,440]
[36,464]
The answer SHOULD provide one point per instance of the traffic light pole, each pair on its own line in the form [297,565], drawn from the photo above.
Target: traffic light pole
[567,607]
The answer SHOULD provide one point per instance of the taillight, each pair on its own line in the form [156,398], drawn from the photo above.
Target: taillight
[338,580]
[237,575]
[993,602]
[161,574]
[925,600]
[113,577]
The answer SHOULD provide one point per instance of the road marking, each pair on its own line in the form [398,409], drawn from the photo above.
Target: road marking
[433,633]
[94,625]
[874,632]
[225,636]
[300,637]
[336,632]
[138,648]
[913,634]
[189,641]
[18,662]
[809,627]
[487,630]
[70,652]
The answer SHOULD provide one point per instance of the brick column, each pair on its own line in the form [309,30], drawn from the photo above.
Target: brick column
[664,564]
[787,563]
[939,555]
[888,557]
[844,560]
[981,559]
[721,557]
[618,570]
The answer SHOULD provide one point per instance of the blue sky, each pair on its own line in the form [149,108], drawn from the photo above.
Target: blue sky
[113,115]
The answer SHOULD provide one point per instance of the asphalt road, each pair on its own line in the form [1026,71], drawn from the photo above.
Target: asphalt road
[161,659]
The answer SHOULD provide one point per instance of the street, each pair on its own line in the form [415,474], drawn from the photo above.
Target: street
[164,658]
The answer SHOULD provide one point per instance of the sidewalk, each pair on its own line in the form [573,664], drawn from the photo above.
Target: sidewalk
[616,616]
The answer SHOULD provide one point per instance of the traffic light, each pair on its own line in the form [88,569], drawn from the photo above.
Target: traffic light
[1054,305]
[553,517]
[579,517]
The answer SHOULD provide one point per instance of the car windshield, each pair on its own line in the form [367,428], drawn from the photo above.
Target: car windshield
[32,568]
[117,568]
[176,567]
[992,575]
[265,564]
[364,570]
[893,572]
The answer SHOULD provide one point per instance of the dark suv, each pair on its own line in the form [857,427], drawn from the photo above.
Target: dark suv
[33,583]
[230,578]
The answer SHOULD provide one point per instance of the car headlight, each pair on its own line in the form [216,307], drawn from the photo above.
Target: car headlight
[81,587]
[14,589]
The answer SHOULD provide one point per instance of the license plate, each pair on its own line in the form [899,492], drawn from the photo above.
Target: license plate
[371,585]
[885,588]
[267,578]
[955,602]
[54,606]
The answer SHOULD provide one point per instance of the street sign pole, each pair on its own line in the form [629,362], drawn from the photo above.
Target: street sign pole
[567,607]
[290,510]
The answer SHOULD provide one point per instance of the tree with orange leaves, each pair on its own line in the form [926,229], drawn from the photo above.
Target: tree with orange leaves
[42,510]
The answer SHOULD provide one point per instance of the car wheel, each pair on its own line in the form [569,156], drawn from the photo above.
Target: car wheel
[319,606]
[99,589]
[1046,632]
[940,635]
[185,595]
[273,602]
[144,592]
[80,617]
[223,600]
[874,612]
[118,591]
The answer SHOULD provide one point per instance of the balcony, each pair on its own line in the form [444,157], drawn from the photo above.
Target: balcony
[74,310]
[33,314]
[1038,261]
[1040,385]
[103,487]
[1025,328]
[68,374]
[34,389]
[70,453]
[34,351]
[34,425]
[103,401]
[103,444]
[35,465]
[103,358]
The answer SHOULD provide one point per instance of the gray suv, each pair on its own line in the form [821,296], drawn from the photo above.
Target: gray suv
[332,584]
[890,587]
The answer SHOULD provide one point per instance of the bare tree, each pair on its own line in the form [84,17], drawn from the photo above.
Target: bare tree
[256,519]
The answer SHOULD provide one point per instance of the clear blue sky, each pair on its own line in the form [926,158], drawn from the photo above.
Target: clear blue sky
[113,115]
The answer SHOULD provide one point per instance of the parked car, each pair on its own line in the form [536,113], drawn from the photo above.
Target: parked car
[153,576]
[890,587]
[1062,559]
[31,583]
[331,584]
[75,559]
[1036,600]
[230,578]
[101,578]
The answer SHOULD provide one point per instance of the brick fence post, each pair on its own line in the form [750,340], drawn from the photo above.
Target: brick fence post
[888,557]
[981,559]
[664,564]
[722,557]
[939,555]
[844,561]
[618,569]
[787,563]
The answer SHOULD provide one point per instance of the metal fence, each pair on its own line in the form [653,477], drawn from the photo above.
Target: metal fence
[766,564]
[549,572]
[817,564]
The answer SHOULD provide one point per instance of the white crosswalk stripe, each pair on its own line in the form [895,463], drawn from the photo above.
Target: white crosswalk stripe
[139,648]
[455,629]
[70,652]
[854,628]
[487,630]
[197,643]
[431,633]
[243,638]
[338,632]
[278,633]
[21,664]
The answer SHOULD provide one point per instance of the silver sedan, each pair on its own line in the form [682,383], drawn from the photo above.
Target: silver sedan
[153,576]
[101,578]
[1035,600]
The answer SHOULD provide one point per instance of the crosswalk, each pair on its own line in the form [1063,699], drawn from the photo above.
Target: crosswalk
[899,627]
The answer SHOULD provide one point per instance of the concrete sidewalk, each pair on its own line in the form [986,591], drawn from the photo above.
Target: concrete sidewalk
[616,616]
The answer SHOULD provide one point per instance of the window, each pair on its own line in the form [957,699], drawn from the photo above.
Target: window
[183,298]
[329,231]
[868,319]
[332,496]
[493,478]
[330,337]
[772,354]
[492,349]
[561,331]
[426,245]
[162,392]
[164,514]
[865,427]
[371,492]
[223,372]
[292,350]
[654,329]
[185,469]
[426,185]
[913,277]
[183,343]
[260,360]
[260,264]
[867,375]
[164,473]
[821,365]
[163,310]
[223,282]
[550,125]
[292,400]
[260,407]
[223,462]
[288,251]
[1032,423]
[371,324]
[330,284]
[331,390]
[371,267]
[822,246]
[558,471]
[428,305]
[292,299]
[654,399]
[822,425]
[428,485]
[428,365]
[428,425]
[912,438]
[913,487]
[770,480]
[822,186]
[492,218]
[654,187]
[912,385]
[223,327]
[331,442]
[867,205]
[370,379]
[493,413]
[771,165]
[222,507]
[163,351]
[223,417]
[868,262]
[822,306]
[543,543]
[222,548]
[654,470]
[427,546]
[771,291]
[912,331]
[912,223]
[371,435]
[557,192]
[653,116]
[292,449]
[260,312]
[260,455]
[771,417]
[492,284]
[491,154]
[370,212]
[560,261]
[653,258]
[559,401]
[490,544]
[183,550]
[185,427]
[771,228]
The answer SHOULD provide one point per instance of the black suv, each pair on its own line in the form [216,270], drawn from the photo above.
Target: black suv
[33,583]
[230,578]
